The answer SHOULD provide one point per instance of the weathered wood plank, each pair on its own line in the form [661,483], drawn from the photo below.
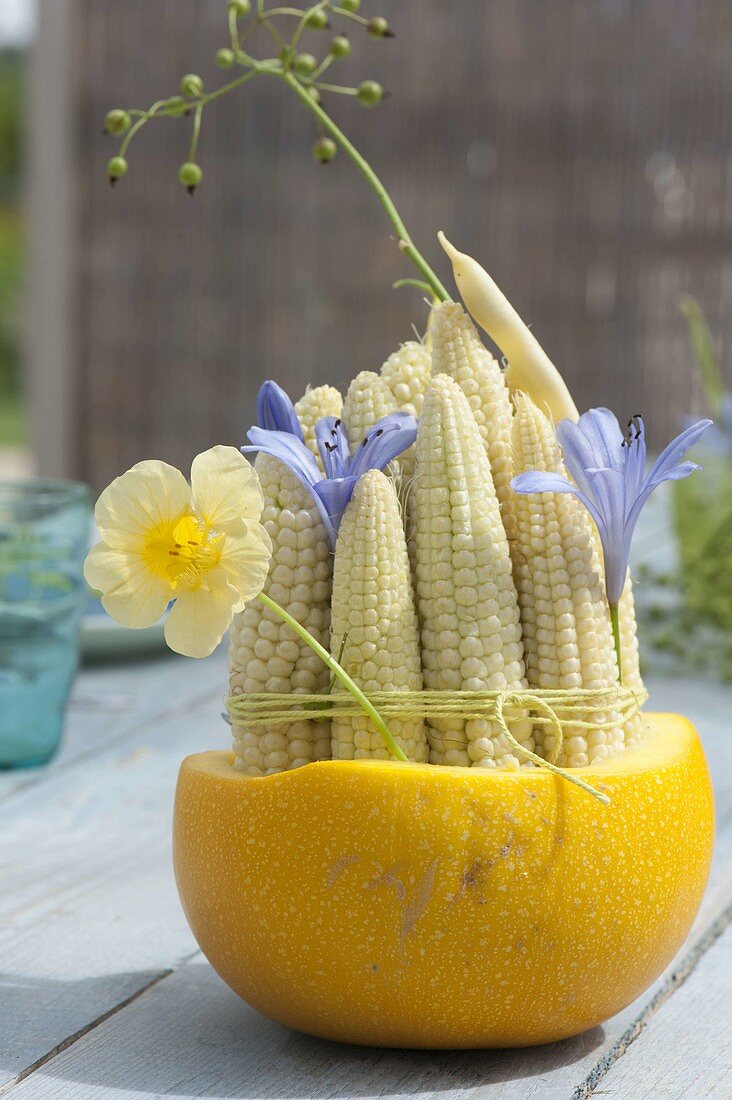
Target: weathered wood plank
[88,908]
[687,1052]
[215,1046]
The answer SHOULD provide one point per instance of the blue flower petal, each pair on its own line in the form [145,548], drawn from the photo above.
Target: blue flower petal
[392,435]
[609,494]
[577,452]
[635,458]
[538,481]
[335,494]
[604,436]
[333,446]
[275,411]
[288,449]
[676,450]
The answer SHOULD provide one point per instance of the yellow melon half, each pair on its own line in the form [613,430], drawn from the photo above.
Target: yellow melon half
[408,905]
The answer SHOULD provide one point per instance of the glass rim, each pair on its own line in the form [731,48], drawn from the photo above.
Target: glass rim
[45,489]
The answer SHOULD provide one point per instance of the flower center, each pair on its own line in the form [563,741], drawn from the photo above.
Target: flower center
[184,553]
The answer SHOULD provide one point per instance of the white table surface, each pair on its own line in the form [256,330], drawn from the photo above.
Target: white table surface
[103,993]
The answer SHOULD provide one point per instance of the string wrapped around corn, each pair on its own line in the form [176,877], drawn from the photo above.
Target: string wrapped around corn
[374,630]
[467,602]
[565,619]
[264,654]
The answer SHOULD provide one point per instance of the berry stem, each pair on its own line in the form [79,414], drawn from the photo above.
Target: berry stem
[320,6]
[339,88]
[350,15]
[196,132]
[405,243]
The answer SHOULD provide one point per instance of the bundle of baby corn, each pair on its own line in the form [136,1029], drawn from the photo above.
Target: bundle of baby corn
[443,580]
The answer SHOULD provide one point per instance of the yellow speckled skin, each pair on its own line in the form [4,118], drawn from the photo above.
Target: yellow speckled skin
[419,906]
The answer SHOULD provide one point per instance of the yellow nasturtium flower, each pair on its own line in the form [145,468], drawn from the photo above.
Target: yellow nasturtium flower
[200,545]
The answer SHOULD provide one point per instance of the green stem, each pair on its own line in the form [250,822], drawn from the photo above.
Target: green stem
[283,11]
[615,620]
[340,672]
[304,20]
[339,89]
[196,132]
[324,64]
[234,29]
[406,245]
[146,116]
[350,15]
[418,283]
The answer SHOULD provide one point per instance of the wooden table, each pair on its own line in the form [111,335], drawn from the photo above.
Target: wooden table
[103,993]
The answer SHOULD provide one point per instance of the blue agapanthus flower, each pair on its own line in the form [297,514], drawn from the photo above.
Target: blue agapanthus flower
[279,434]
[607,467]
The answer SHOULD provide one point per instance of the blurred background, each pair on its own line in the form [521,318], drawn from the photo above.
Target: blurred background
[581,149]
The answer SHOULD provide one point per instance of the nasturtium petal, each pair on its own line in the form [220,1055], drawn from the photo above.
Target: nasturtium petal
[131,594]
[201,616]
[150,496]
[226,489]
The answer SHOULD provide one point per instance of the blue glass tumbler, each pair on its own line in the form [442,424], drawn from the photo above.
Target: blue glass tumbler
[44,537]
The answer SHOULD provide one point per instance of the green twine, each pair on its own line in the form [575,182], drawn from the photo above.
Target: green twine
[582,709]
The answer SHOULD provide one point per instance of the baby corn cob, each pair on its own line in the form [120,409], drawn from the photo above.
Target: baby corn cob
[467,602]
[458,351]
[407,374]
[568,641]
[265,655]
[374,625]
[367,400]
[315,403]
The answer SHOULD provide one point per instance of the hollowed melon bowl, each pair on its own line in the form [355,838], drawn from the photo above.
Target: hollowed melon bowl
[413,906]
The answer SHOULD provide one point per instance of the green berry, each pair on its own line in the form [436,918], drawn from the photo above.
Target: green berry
[350,5]
[324,149]
[379,28]
[224,58]
[117,122]
[116,168]
[317,20]
[305,64]
[240,7]
[340,46]
[286,55]
[314,95]
[190,175]
[191,85]
[370,93]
